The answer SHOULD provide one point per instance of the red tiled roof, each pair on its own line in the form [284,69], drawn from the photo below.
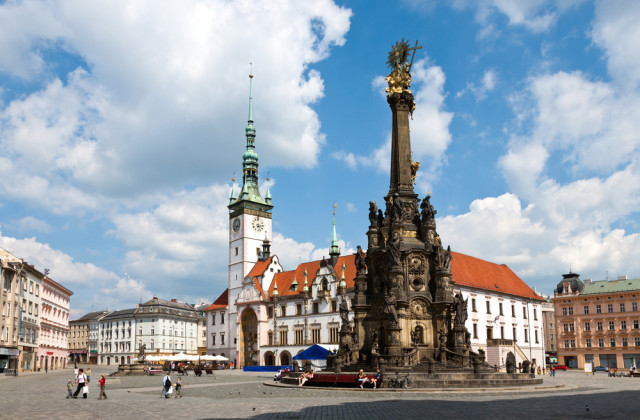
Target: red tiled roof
[260,267]
[221,302]
[285,278]
[481,274]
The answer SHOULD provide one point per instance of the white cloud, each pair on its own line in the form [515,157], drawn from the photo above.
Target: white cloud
[487,84]
[616,30]
[31,224]
[161,93]
[534,15]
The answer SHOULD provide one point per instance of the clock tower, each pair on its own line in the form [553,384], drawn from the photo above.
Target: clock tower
[249,215]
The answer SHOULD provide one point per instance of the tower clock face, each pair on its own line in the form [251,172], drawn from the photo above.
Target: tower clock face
[257,224]
[236,225]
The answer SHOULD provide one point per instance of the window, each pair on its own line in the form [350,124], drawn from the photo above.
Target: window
[213,318]
[222,339]
[283,310]
[334,306]
[37,290]
[535,314]
[513,311]
[298,336]
[299,308]
[152,345]
[153,331]
[30,308]
[316,307]
[612,325]
[600,342]
[213,339]
[258,252]
[587,326]
[573,343]
[24,284]
[635,324]
[637,341]
[315,334]
[588,342]
[475,330]
[501,331]
[514,334]
[537,340]
[566,344]
[622,307]
[24,305]
[488,307]
[586,310]
[610,308]
[625,342]
[526,335]
[564,311]
[524,311]
[634,306]
[599,325]
[565,327]
[270,312]
[473,304]
[270,338]
[284,337]
[500,308]
[333,333]
[31,287]
[612,341]
[236,251]
[598,309]
[623,325]
[222,322]
[571,310]
[571,327]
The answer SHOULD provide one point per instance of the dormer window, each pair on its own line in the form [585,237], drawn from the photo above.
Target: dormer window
[325,284]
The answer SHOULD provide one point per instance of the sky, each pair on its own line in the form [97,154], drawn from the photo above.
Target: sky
[122,126]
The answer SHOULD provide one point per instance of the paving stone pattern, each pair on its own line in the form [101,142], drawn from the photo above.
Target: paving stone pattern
[237,394]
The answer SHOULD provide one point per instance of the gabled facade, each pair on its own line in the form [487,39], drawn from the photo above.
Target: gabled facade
[29,329]
[116,339]
[597,322]
[54,325]
[167,327]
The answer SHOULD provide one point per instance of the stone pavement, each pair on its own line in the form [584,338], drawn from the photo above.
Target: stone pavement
[237,394]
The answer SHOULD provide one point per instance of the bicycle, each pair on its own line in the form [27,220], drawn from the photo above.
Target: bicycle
[404,382]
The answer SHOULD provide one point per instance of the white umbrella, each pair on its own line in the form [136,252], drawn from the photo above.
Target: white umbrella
[192,357]
[152,358]
[181,356]
[208,357]
[220,358]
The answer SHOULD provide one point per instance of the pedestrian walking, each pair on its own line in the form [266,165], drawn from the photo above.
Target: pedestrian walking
[88,375]
[166,383]
[81,381]
[178,388]
[69,389]
[102,381]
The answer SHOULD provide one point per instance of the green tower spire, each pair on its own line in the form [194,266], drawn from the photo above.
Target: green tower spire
[334,251]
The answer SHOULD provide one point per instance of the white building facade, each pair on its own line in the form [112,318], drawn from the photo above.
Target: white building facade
[116,338]
[53,343]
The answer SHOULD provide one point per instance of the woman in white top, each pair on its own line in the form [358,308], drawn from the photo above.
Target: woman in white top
[81,381]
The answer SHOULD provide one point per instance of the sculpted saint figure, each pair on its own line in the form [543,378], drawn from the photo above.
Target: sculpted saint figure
[390,308]
[344,313]
[427,210]
[460,306]
[393,247]
[360,261]
[373,218]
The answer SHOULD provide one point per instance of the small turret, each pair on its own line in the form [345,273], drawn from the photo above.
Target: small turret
[266,248]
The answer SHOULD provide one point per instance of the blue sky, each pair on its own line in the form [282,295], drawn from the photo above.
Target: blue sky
[122,126]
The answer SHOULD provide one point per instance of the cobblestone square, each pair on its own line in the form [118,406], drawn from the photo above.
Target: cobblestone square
[237,394]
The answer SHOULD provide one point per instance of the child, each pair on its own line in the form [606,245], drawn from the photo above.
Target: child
[101,382]
[178,387]
[69,388]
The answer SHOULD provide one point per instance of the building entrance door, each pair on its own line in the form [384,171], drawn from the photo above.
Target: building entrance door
[249,338]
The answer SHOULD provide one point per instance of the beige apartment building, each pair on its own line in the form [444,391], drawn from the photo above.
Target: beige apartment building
[597,322]
[11,277]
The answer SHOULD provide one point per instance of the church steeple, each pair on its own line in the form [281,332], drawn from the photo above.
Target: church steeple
[250,192]
[334,251]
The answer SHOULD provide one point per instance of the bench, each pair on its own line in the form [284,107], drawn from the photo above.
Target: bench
[154,371]
[337,380]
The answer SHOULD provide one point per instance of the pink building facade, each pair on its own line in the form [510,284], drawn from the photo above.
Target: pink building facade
[54,326]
